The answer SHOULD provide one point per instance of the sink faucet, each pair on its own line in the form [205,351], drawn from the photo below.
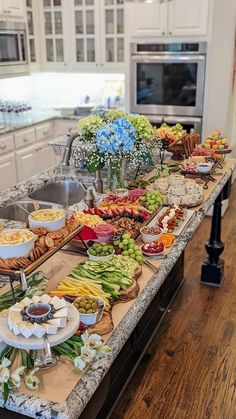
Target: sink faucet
[67,153]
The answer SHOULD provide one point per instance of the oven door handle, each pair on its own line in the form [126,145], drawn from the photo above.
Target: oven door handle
[145,58]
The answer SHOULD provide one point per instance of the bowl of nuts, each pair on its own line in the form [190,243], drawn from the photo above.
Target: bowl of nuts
[90,309]
[150,234]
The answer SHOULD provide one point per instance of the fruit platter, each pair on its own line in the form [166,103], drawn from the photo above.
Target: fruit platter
[172,220]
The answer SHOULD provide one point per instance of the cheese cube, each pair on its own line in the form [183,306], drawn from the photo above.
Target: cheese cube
[25,302]
[38,331]
[63,312]
[15,329]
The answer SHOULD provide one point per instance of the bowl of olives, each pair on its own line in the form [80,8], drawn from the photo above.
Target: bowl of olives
[100,252]
[90,309]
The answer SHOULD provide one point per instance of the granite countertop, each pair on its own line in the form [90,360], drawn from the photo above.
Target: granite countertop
[81,394]
[35,118]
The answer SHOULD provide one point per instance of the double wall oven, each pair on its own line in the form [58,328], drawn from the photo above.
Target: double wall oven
[13,48]
[167,82]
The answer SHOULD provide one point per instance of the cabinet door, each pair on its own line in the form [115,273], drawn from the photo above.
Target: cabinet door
[188,17]
[146,19]
[53,29]
[112,34]
[26,163]
[45,156]
[85,34]
[14,7]
[8,176]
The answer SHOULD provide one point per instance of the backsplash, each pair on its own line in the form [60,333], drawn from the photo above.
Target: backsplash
[60,90]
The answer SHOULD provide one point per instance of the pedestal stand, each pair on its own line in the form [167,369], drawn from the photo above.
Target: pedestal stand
[213,266]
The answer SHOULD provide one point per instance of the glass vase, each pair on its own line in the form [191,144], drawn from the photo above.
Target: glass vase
[116,175]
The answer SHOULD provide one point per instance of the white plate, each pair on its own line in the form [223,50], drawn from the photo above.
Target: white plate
[20,342]
[152,254]
[178,230]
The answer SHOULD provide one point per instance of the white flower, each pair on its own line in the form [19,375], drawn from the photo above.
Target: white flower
[79,363]
[95,340]
[85,336]
[5,363]
[4,375]
[31,381]
[87,354]
[16,376]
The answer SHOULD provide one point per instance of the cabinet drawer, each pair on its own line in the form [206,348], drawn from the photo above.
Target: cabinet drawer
[6,144]
[24,138]
[43,131]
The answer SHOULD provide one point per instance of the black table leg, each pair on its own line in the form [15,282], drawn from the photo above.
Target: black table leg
[213,266]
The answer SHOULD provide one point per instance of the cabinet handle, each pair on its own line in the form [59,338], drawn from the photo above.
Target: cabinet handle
[4,11]
[3,146]
[46,131]
[25,140]
[170,33]
[163,33]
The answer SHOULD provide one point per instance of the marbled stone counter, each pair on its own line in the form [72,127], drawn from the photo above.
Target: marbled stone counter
[79,397]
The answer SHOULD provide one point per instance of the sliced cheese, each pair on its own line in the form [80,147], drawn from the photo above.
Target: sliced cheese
[63,312]
[38,331]
[50,329]
[46,299]
[25,302]
[58,303]
[15,316]
[35,299]
[27,330]
[60,322]
[16,329]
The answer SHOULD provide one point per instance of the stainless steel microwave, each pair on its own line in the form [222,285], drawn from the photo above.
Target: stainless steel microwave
[13,48]
[167,78]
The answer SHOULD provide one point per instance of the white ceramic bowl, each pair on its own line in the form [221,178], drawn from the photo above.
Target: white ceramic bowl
[52,225]
[100,258]
[204,167]
[19,249]
[146,238]
[93,318]
[150,254]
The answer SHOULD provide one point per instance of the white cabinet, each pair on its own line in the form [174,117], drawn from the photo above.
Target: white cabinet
[167,17]
[188,17]
[82,35]
[8,175]
[12,8]
[45,156]
[26,163]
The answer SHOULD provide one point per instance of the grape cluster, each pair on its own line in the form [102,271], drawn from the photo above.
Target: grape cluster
[152,200]
[129,248]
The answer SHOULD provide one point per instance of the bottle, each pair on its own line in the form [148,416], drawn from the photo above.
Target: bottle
[98,183]
[89,198]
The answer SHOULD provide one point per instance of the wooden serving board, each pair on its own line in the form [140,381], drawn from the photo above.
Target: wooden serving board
[43,258]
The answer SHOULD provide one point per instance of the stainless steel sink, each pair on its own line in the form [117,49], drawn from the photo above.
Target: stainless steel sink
[65,192]
[16,211]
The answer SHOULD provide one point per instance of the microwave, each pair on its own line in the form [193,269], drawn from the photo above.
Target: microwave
[13,48]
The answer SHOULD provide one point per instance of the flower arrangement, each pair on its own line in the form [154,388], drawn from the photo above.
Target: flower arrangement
[16,365]
[115,136]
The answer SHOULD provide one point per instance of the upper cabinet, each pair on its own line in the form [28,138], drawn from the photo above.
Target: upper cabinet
[53,28]
[82,35]
[112,33]
[12,8]
[167,17]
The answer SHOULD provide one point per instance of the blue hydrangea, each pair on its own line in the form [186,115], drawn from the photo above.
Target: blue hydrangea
[116,137]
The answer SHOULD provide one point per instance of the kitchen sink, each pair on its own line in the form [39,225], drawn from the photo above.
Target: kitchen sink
[16,211]
[65,193]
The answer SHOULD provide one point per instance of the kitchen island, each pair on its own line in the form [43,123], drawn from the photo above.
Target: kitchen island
[97,390]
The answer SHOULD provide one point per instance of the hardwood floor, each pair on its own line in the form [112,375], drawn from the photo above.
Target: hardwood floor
[190,371]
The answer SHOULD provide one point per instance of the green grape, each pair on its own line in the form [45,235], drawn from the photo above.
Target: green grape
[126,236]
[121,245]
[125,253]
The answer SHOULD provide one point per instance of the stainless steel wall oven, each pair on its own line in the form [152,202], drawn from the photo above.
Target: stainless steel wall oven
[167,80]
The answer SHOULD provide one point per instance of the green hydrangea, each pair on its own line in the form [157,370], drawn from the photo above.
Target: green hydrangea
[144,128]
[114,114]
[89,126]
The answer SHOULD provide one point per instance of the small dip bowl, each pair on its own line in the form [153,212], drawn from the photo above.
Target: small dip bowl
[38,310]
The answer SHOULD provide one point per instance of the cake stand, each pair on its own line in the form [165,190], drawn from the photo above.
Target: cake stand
[43,357]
